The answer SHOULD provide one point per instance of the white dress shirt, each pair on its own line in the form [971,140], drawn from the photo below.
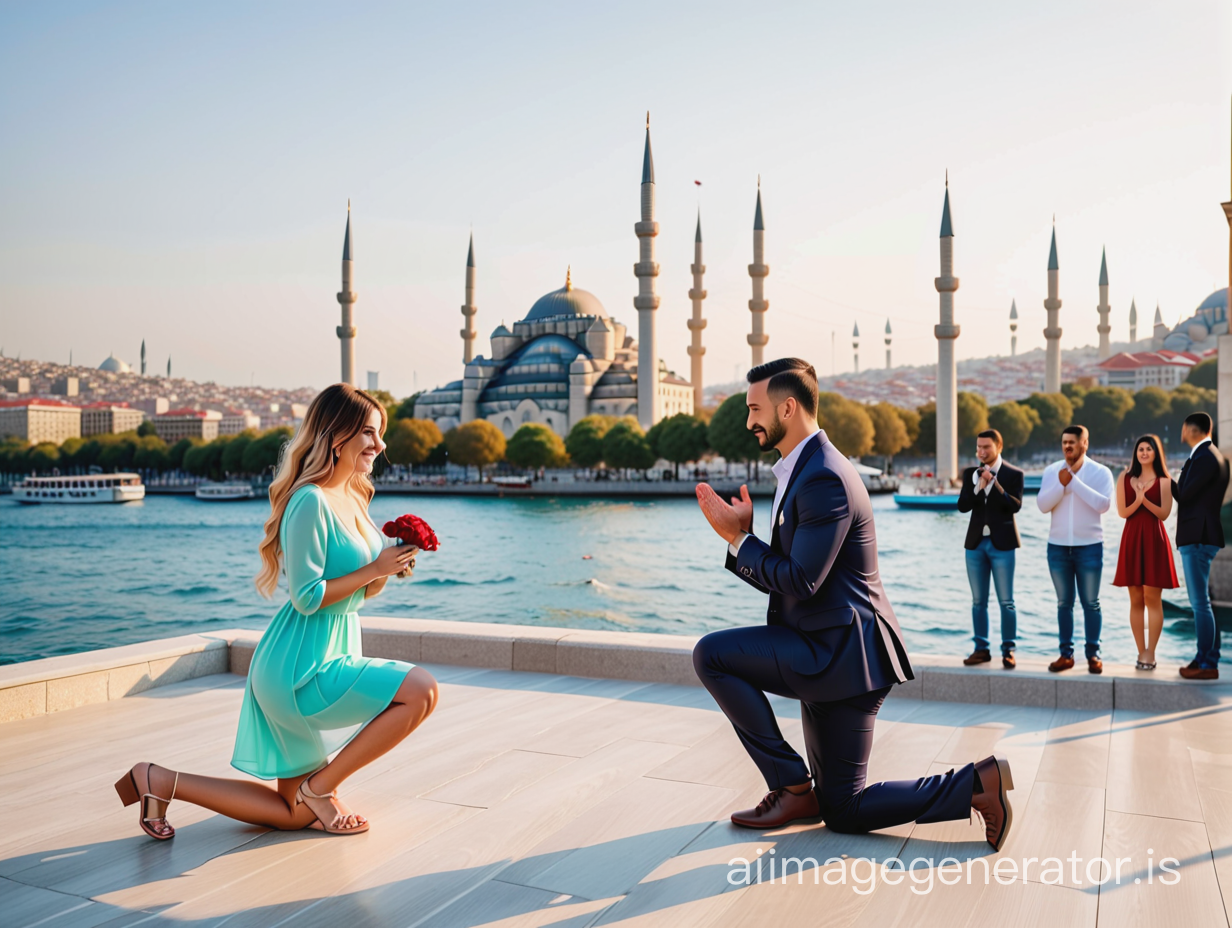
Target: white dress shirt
[1195,448]
[995,466]
[782,474]
[1078,507]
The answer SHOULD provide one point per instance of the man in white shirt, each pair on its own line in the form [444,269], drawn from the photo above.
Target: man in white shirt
[1077,492]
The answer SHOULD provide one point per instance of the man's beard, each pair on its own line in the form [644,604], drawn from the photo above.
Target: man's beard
[774,434]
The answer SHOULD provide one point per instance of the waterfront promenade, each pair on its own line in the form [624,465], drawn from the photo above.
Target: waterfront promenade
[570,799]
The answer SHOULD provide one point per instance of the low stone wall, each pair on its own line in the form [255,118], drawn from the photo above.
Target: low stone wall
[38,687]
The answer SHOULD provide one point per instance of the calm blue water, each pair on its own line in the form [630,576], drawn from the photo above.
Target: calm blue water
[81,577]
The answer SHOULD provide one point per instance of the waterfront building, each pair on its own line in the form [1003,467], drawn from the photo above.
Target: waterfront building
[1052,333]
[347,298]
[234,421]
[175,424]
[39,420]
[567,358]
[109,418]
[946,332]
[1104,328]
[1133,371]
[758,272]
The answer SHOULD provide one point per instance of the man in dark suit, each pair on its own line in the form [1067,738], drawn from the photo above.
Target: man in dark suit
[830,639]
[1199,536]
[992,493]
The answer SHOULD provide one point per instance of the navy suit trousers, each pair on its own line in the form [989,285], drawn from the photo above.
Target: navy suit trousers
[740,665]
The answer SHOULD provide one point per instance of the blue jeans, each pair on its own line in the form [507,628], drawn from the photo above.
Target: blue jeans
[1077,566]
[984,561]
[1196,562]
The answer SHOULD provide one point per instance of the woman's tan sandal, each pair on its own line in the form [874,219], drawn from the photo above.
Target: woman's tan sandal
[130,792]
[305,792]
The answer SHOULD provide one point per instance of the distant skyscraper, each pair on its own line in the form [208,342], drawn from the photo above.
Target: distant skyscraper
[469,332]
[1013,328]
[647,301]
[1052,333]
[374,380]
[1133,321]
[946,332]
[697,293]
[346,299]
[758,271]
[142,357]
[1105,347]
[855,345]
[887,341]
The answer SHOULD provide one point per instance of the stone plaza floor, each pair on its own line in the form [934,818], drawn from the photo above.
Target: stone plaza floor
[536,799]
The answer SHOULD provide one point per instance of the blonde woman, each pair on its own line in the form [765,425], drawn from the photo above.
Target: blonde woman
[310,691]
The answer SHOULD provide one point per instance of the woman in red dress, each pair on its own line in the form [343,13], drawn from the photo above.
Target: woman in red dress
[1144,500]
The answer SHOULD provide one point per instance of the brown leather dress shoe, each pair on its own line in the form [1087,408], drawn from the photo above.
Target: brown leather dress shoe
[991,802]
[978,656]
[1095,665]
[1061,663]
[1200,673]
[1008,661]
[780,807]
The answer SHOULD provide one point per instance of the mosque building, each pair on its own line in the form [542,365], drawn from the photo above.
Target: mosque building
[568,358]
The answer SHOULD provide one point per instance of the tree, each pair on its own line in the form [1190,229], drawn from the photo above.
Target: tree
[911,422]
[151,454]
[1188,399]
[972,414]
[261,455]
[1015,422]
[534,446]
[625,446]
[926,438]
[116,452]
[889,430]
[1151,412]
[682,439]
[69,450]
[406,409]
[477,443]
[43,457]
[1055,411]
[585,441]
[1103,411]
[175,456]
[728,431]
[196,460]
[410,441]
[847,423]
[1204,374]
[146,429]
[232,461]
[14,456]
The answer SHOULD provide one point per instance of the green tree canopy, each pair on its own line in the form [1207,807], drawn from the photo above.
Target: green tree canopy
[477,443]
[890,434]
[116,453]
[146,429]
[196,460]
[625,446]
[846,422]
[1015,422]
[1056,412]
[43,457]
[1151,411]
[410,441]
[682,438]
[534,446]
[261,455]
[1103,411]
[406,409]
[175,455]
[926,438]
[585,441]
[972,414]
[1204,374]
[911,421]
[728,433]
[14,455]
[151,454]
[232,460]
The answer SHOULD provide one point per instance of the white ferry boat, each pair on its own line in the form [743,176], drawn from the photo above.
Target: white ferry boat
[95,488]
[224,492]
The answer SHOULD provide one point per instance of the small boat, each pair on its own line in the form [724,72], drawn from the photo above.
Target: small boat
[1031,483]
[512,483]
[876,480]
[95,488]
[944,501]
[224,492]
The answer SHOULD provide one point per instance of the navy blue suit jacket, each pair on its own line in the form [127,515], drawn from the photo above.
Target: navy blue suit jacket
[820,569]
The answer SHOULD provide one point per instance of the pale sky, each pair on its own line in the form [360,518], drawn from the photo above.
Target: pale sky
[180,173]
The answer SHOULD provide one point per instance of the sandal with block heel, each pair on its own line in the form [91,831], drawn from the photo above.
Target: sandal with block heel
[305,792]
[130,792]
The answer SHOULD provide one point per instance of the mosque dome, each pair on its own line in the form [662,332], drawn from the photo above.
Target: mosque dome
[539,370]
[567,301]
[114,365]
[1217,300]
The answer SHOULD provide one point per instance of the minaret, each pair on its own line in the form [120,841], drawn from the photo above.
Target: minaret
[758,270]
[647,301]
[1159,331]
[946,332]
[168,367]
[887,341]
[346,298]
[1052,333]
[697,293]
[1133,321]
[855,345]
[1105,348]
[1013,328]
[143,357]
[469,332]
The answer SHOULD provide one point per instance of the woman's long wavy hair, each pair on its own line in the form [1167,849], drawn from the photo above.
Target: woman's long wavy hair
[335,416]
[1161,463]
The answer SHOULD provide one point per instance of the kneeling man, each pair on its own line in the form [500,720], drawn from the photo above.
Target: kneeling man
[830,639]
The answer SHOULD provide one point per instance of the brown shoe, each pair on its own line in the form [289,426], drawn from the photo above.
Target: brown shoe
[978,656]
[991,802]
[780,807]
[1008,661]
[1095,665]
[1061,663]
[1200,673]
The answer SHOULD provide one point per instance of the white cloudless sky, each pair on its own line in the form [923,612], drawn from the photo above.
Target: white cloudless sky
[180,173]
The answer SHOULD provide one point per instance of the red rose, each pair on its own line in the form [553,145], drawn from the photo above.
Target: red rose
[412,530]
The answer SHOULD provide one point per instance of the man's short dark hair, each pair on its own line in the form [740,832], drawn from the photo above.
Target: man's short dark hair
[1078,430]
[994,435]
[1200,421]
[789,377]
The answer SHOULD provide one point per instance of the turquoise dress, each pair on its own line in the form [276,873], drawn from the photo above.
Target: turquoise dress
[310,689]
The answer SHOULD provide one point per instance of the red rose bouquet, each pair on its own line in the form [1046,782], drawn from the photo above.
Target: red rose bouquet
[412,530]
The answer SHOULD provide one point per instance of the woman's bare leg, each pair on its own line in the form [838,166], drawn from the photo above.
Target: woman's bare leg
[1155,619]
[243,800]
[1136,608]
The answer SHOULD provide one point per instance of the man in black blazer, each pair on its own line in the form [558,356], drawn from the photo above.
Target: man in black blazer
[1199,536]
[830,639]
[992,493]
